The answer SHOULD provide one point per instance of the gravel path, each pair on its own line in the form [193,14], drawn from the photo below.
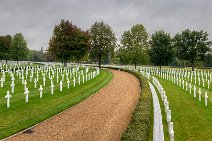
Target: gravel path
[102,117]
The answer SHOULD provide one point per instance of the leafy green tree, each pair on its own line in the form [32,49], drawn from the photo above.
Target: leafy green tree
[123,56]
[69,42]
[161,51]
[5,47]
[19,48]
[103,42]
[135,43]
[192,45]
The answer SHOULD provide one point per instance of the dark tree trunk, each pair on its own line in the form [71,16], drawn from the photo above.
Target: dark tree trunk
[100,56]
[65,63]
[135,65]
[193,67]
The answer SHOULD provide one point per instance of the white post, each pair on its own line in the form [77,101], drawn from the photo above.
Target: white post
[200,93]
[168,116]
[25,83]
[41,91]
[190,87]
[2,82]
[74,80]
[35,83]
[61,86]
[12,87]
[68,82]
[206,99]
[183,84]
[208,84]
[8,96]
[27,94]
[52,88]
[194,91]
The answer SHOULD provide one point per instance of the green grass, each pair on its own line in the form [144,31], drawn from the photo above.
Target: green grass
[192,120]
[22,115]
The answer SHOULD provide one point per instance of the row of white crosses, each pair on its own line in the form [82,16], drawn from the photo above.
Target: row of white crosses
[158,133]
[20,73]
[203,77]
[179,81]
[166,106]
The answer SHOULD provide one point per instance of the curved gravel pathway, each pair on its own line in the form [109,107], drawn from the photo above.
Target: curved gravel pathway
[103,116]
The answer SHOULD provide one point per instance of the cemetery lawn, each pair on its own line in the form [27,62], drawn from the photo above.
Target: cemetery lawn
[192,119]
[22,115]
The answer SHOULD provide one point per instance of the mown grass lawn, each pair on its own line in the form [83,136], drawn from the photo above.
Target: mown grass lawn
[192,120]
[22,115]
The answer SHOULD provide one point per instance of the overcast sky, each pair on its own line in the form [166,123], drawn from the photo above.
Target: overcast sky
[36,18]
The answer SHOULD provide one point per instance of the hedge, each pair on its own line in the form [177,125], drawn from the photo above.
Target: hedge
[140,127]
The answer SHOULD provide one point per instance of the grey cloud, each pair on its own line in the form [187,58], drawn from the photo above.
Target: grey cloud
[37,18]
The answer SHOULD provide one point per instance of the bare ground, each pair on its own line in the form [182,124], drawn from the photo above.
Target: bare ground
[102,117]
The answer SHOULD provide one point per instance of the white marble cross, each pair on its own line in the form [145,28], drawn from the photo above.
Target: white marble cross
[35,83]
[194,91]
[68,82]
[168,116]
[51,79]
[190,87]
[52,88]
[203,83]
[206,99]
[8,96]
[41,91]
[61,86]
[183,83]
[200,93]
[79,80]
[27,94]
[12,87]
[31,76]
[25,83]
[171,131]
[74,80]
[186,86]
[2,82]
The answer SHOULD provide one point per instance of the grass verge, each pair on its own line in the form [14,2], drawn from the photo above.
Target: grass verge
[22,115]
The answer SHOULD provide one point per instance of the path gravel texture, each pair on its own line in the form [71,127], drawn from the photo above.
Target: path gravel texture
[102,117]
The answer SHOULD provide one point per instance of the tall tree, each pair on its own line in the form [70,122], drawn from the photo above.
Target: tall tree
[192,45]
[161,51]
[19,48]
[69,42]
[5,47]
[135,42]
[103,41]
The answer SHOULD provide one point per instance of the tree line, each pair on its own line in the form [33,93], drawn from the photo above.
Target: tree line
[15,48]
[69,43]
